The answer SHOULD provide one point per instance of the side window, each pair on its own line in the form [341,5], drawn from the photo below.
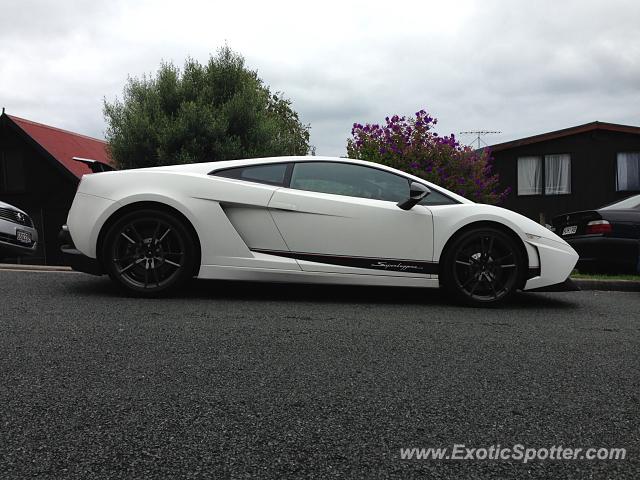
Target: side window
[350,180]
[273,174]
[437,198]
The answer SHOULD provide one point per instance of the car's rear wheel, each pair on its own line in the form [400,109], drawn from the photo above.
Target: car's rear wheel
[149,252]
[483,267]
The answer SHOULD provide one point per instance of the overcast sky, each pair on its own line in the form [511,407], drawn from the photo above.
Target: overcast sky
[521,67]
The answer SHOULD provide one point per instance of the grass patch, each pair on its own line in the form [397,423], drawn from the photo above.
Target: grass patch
[604,276]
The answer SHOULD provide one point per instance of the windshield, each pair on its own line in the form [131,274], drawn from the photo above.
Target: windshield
[631,202]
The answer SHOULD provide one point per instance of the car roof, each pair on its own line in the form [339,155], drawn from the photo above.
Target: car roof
[208,167]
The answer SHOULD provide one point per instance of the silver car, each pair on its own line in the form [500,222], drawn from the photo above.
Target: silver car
[17,234]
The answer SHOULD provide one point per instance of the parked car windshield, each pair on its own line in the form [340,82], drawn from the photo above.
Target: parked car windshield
[631,202]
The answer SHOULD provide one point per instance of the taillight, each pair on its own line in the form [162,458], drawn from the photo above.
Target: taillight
[598,226]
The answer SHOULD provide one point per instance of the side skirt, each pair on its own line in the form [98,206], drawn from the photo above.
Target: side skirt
[217,272]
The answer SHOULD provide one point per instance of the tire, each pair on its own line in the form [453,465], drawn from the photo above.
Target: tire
[149,252]
[483,267]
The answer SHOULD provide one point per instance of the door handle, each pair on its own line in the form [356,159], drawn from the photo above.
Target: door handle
[283,206]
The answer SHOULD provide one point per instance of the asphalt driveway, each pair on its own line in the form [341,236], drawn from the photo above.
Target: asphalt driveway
[274,381]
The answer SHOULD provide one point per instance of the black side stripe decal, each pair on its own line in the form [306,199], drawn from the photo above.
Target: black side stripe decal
[389,264]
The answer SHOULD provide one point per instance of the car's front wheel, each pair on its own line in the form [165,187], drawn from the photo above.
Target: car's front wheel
[149,252]
[483,266]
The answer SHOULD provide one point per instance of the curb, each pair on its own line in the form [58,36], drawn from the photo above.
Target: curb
[608,285]
[34,268]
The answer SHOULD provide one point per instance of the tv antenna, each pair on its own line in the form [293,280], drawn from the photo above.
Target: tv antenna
[479,134]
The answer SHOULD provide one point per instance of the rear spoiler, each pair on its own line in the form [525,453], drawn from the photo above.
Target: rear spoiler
[96,166]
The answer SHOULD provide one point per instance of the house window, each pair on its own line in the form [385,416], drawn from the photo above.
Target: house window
[628,176]
[557,172]
[551,177]
[529,175]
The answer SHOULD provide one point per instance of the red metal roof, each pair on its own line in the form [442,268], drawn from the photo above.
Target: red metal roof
[64,145]
[587,127]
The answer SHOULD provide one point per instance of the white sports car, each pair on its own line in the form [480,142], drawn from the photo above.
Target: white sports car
[305,220]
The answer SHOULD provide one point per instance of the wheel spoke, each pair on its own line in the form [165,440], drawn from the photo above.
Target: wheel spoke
[163,235]
[131,265]
[155,234]
[499,260]
[490,245]
[493,289]
[475,285]
[155,276]
[468,281]
[172,263]
[460,262]
[128,237]
[127,268]
[135,232]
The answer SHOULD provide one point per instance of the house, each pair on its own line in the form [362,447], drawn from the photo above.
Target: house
[577,168]
[38,175]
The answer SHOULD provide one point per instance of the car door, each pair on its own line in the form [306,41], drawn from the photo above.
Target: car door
[342,217]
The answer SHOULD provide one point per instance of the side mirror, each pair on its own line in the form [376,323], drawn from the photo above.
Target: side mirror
[417,192]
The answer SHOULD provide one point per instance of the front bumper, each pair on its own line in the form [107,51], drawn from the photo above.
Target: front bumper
[567,286]
[74,257]
[9,243]
[556,260]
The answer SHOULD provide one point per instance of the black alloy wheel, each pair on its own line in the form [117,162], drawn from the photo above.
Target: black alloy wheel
[149,252]
[483,267]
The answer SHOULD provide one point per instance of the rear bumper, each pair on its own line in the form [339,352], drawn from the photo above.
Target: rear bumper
[607,252]
[75,258]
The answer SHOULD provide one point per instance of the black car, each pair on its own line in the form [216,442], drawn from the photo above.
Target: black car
[607,239]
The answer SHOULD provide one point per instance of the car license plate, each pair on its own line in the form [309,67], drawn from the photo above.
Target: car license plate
[570,230]
[23,237]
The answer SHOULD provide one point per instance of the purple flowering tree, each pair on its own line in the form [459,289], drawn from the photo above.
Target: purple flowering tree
[411,145]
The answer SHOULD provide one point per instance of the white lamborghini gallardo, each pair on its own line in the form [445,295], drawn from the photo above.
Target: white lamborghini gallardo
[306,220]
